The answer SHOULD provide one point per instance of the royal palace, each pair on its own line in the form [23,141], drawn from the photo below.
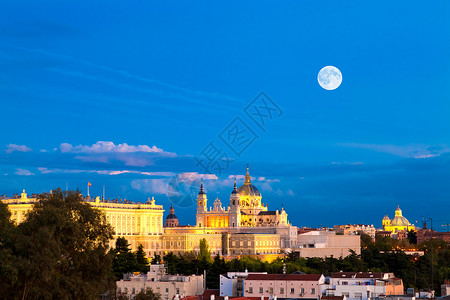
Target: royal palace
[244,227]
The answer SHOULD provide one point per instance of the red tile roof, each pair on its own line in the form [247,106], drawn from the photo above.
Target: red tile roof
[332,297]
[289,277]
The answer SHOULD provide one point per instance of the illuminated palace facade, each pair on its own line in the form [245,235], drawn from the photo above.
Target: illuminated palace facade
[139,223]
[245,227]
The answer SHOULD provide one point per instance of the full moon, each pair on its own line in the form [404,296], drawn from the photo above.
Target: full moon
[330,78]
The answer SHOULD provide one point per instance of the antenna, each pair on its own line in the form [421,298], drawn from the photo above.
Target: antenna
[103,192]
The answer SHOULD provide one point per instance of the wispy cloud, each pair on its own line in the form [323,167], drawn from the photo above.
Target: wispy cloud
[410,151]
[23,172]
[103,172]
[86,70]
[19,148]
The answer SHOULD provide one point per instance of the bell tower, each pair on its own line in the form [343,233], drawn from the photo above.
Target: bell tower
[235,209]
[202,200]
[202,207]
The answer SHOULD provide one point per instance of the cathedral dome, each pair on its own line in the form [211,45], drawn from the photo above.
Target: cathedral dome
[248,189]
[171,216]
[399,219]
[171,219]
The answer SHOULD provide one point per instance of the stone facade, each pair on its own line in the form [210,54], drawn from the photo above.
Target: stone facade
[166,285]
[290,286]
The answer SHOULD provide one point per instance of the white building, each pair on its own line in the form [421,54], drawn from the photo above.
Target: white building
[232,284]
[364,285]
[291,286]
[356,229]
[168,286]
[327,243]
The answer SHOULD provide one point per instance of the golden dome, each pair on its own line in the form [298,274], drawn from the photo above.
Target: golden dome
[248,189]
[399,219]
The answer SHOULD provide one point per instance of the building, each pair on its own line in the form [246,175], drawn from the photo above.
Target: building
[356,229]
[398,223]
[426,234]
[245,227]
[232,284]
[445,288]
[139,223]
[171,219]
[326,243]
[364,285]
[245,209]
[168,286]
[286,286]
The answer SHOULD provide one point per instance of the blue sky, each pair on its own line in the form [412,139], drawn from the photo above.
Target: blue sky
[127,95]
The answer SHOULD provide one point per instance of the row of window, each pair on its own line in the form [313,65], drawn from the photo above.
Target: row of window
[261,243]
[292,290]
[133,290]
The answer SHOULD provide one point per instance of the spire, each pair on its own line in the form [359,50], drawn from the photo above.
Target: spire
[172,210]
[201,188]
[235,187]
[247,178]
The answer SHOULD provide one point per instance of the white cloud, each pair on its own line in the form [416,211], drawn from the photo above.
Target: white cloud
[19,148]
[110,147]
[23,172]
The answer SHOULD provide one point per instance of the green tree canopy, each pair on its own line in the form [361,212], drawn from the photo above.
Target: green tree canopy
[124,260]
[141,259]
[60,251]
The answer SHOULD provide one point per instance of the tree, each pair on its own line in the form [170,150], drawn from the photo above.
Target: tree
[156,259]
[148,295]
[124,260]
[218,267]
[366,240]
[59,251]
[171,261]
[204,253]
[412,237]
[141,259]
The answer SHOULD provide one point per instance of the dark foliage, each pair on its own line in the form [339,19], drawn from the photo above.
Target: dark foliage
[60,251]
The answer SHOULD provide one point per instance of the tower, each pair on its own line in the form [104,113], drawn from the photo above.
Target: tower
[202,200]
[235,209]
[202,206]
[386,221]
